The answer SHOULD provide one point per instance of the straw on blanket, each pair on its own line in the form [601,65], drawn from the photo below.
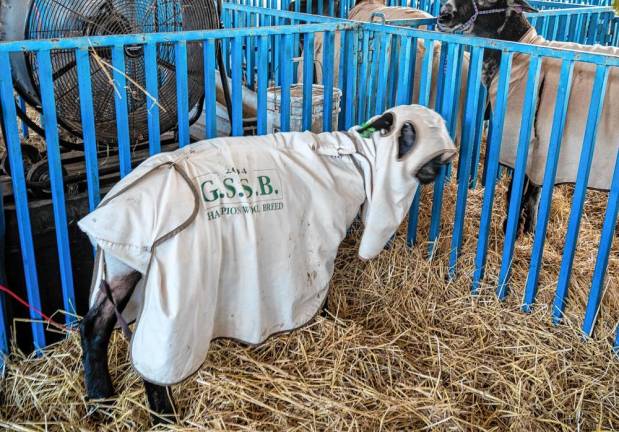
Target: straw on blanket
[403,349]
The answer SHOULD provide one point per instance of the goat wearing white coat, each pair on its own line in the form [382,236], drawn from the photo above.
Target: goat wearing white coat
[237,238]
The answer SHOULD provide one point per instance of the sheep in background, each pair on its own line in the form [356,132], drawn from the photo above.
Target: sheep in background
[505,20]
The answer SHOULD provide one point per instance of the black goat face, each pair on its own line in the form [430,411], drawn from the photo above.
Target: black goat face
[463,15]
[455,13]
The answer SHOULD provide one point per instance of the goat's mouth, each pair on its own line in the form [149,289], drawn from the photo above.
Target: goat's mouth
[447,23]
[453,24]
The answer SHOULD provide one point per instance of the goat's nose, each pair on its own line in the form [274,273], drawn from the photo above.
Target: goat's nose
[447,9]
[446,14]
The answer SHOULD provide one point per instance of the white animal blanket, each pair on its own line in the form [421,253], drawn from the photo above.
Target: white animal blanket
[607,141]
[236,237]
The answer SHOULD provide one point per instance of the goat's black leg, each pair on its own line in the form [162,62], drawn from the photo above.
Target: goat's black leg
[530,207]
[96,330]
[160,402]
[529,204]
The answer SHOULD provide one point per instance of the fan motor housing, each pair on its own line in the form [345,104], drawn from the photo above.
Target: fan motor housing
[44,19]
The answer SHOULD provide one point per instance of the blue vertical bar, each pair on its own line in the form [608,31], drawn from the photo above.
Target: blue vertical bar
[560,113]
[20,194]
[363,78]
[225,43]
[426,73]
[308,79]
[237,87]
[277,58]
[351,80]
[48,104]
[263,82]
[424,99]
[413,65]
[24,127]
[343,71]
[592,28]
[545,22]
[383,68]
[88,126]
[404,81]
[466,153]
[152,98]
[392,76]
[493,149]
[286,65]
[479,130]
[520,166]
[580,191]
[210,90]
[250,54]
[370,103]
[182,98]
[601,263]
[561,27]
[327,80]
[122,113]
[446,110]
[457,84]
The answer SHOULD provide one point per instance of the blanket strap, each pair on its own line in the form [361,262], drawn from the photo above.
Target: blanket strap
[104,285]
[123,323]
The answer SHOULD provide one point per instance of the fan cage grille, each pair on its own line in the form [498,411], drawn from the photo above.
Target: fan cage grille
[74,18]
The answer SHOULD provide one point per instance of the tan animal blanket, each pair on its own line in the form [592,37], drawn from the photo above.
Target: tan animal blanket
[607,143]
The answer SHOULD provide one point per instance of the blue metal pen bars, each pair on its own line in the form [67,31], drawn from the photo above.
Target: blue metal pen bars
[377,69]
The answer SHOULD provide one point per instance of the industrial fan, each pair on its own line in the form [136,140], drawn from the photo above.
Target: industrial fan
[44,19]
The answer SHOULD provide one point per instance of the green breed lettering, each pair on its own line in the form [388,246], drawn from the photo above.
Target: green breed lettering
[265,185]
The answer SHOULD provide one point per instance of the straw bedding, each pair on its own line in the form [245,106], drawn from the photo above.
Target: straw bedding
[402,349]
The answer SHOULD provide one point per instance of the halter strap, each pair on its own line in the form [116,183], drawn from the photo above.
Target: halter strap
[471,21]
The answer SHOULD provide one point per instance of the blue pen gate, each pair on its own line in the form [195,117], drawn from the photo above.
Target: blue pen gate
[365,58]
[580,22]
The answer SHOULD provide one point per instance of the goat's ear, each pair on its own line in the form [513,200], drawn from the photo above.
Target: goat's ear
[522,5]
[384,122]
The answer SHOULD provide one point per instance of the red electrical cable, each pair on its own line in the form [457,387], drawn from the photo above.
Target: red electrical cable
[29,306]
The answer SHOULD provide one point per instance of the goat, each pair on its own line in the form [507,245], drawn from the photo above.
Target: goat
[505,20]
[255,255]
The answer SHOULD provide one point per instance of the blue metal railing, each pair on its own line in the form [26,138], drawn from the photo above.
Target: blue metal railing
[378,55]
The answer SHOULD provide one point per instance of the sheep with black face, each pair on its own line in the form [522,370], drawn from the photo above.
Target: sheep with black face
[505,20]
[237,238]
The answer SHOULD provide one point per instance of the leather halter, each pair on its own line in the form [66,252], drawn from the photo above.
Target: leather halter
[468,25]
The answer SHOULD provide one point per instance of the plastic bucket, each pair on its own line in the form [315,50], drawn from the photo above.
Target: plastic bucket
[296,108]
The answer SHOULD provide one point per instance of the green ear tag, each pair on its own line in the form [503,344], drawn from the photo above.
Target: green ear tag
[366,131]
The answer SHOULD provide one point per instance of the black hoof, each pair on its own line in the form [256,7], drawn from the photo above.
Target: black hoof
[161,403]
